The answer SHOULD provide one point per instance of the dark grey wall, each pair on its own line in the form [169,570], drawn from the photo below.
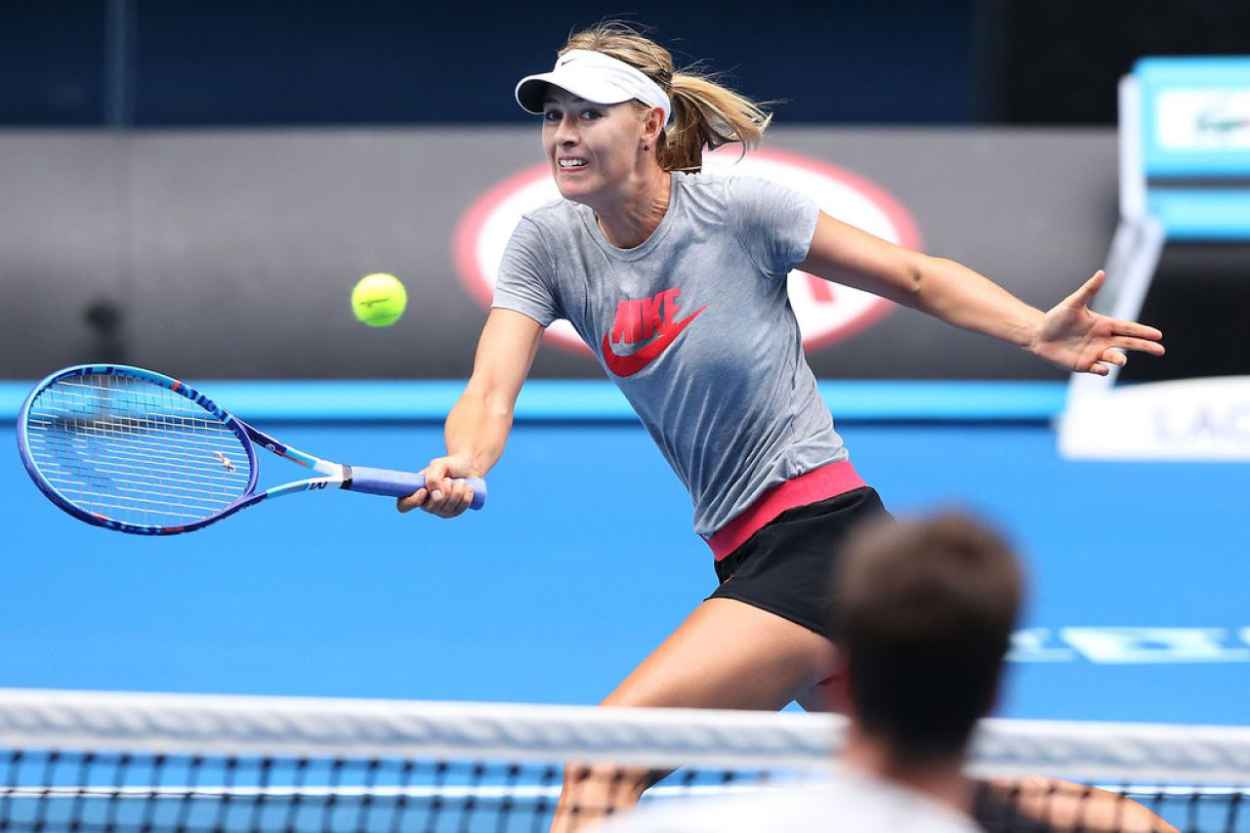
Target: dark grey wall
[283,62]
[326,62]
[1059,61]
[231,254]
[64,226]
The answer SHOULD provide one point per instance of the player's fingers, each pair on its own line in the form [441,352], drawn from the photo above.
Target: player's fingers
[1132,328]
[1138,344]
[436,500]
[451,491]
[432,473]
[1089,289]
[462,496]
[413,501]
[435,471]
[451,507]
[453,501]
[1114,356]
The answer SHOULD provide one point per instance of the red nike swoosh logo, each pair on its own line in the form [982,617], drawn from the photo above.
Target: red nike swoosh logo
[634,362]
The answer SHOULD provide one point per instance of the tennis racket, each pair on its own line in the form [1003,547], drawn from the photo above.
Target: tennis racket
[140,452]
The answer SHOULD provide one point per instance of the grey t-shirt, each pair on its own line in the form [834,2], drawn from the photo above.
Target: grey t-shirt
[844,803]
[694,326]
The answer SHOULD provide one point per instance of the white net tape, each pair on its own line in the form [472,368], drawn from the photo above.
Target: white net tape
[306,727]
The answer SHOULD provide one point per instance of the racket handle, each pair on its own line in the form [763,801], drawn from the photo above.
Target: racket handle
[402,483]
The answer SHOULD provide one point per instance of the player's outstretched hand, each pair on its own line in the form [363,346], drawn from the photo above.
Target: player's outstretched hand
[445,493]
[1076,338]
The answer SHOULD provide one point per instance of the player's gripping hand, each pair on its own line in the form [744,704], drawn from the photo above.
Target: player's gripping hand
[445,493]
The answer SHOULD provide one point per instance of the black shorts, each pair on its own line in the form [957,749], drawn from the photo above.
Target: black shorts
[786,566]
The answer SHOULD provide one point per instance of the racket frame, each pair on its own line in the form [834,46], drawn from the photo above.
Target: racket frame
[334,474]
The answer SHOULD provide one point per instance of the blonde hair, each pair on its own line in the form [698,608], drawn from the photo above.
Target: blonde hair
[705,113]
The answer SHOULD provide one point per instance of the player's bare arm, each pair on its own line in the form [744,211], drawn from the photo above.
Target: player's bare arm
[1070,335]
[477,427]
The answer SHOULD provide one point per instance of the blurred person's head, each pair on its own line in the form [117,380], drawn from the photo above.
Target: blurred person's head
[923,617]
[616,110]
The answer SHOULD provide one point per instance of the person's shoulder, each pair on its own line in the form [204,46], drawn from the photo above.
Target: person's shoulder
[873,804]
[557,224]
[837,803]
[749,186]
[733,192]
[704,196]
[557,213]
[702,184]
[701,180]
[884,805]
[780,810]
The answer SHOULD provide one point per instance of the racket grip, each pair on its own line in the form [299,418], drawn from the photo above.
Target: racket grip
[402,483]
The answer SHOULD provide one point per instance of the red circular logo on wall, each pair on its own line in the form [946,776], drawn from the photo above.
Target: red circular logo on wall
[826,312]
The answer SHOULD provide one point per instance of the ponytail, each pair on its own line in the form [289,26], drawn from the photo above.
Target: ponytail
[705,114]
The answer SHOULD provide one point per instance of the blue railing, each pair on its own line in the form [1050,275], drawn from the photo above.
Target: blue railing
[595,401]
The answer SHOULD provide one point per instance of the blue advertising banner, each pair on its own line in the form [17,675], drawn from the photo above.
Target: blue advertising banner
[1195,116]
[1194,140]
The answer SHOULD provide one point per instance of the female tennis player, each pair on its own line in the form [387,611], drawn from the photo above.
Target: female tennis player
[676,280]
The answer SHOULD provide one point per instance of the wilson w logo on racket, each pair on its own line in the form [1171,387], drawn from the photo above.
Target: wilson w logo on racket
[137,451]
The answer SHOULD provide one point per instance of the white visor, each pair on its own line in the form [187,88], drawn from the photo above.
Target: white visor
[595,77]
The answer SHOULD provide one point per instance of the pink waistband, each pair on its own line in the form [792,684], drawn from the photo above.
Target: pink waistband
[811,487]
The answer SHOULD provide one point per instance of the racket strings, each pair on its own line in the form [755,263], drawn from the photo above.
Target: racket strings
[133,451]
[129,454]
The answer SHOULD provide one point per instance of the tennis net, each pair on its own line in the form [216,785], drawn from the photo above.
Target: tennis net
[95,762]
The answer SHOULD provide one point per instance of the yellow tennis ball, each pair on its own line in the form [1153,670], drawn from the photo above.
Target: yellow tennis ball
[379,299]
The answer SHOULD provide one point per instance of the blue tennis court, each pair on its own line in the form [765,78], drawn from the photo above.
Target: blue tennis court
[584,560]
